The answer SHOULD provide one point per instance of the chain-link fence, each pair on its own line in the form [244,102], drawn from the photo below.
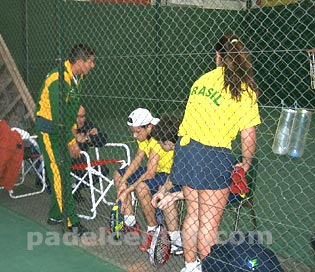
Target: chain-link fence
[148,54]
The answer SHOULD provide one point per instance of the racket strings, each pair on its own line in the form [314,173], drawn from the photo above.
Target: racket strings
[163,247]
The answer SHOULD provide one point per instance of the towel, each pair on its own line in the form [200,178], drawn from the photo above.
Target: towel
[11,155]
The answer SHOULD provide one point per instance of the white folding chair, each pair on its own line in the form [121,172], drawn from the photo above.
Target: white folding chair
[93,167]
[32,163]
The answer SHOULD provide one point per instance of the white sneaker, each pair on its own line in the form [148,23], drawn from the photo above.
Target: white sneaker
[196,268]
[176,250]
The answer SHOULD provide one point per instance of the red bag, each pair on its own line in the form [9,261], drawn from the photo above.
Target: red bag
[239,182]
[11,154]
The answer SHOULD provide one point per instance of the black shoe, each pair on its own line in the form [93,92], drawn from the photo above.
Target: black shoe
[53,221]
[79,230]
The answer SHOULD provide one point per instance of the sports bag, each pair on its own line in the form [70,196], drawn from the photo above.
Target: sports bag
[242,253]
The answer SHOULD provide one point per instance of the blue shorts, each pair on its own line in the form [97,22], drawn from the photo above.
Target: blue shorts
[202,167]
[176,188]
[153,184]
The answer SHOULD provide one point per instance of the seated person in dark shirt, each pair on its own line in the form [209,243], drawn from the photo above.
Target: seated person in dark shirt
[87,135]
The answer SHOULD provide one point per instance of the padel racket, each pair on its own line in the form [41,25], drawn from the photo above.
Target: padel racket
[116,221]
[160,248]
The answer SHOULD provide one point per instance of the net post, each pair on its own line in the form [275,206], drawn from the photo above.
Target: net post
[311,55]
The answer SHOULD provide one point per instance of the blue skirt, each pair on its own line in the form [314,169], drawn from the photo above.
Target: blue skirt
[202,167]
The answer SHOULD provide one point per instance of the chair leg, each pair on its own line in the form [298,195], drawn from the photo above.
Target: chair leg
[253,220]
[24,171]
[237,217]
[181,212]
[252,214]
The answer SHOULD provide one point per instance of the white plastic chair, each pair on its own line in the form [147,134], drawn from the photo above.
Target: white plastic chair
[32,162]
[99,194]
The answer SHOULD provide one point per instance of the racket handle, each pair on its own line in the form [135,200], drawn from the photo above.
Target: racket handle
[117,221]
[121,217]
[159,215]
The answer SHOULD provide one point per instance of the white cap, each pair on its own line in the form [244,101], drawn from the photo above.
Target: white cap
[141,117]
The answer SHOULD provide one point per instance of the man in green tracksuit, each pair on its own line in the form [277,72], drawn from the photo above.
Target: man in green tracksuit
[56,112]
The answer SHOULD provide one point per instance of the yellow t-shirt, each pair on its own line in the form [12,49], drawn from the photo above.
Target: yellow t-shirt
[166,158]
[212,117]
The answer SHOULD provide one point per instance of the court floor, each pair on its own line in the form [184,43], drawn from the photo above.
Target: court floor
[26,246]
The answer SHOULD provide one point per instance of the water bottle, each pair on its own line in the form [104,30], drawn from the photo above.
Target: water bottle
[281,141]
[116,221]
[300,128]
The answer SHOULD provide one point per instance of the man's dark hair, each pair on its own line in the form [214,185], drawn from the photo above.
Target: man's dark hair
[166,129]
[80,52]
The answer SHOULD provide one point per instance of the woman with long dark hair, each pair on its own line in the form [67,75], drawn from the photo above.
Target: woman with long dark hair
[221,103]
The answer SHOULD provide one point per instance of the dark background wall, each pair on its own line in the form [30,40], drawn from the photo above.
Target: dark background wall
[179,49]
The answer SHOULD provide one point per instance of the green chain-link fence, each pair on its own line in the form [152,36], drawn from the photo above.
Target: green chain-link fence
[148,54]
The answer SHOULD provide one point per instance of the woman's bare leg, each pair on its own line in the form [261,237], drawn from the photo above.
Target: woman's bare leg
[211,208]
[190,225]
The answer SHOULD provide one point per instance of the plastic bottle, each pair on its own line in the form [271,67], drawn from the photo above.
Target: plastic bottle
[281,141]
[300,128]
[116,221]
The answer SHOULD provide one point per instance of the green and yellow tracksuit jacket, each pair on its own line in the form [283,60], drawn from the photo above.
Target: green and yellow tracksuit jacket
[49,105]
[56,111]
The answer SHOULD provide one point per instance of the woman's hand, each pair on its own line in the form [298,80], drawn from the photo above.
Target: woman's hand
[163,200]
[156,198]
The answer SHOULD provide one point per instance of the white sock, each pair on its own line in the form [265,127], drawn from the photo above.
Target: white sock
[151,228]
[175,237]
[130,220]
[192,265]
